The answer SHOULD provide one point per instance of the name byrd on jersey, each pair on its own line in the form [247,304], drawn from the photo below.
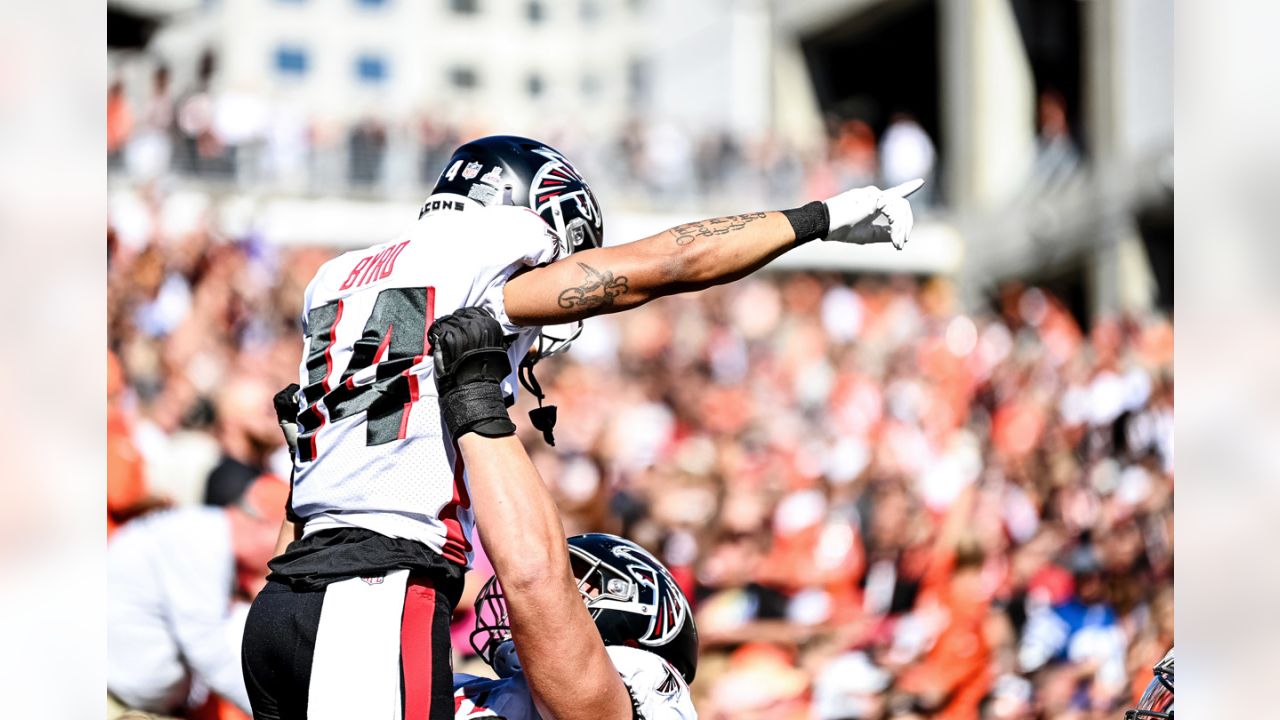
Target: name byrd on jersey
[372,450]
[372,268]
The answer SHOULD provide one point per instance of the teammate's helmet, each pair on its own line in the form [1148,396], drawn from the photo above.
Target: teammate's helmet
[1156,702]
[631,596]
[510,170]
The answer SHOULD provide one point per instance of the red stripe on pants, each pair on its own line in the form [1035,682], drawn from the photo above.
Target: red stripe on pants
[415,647]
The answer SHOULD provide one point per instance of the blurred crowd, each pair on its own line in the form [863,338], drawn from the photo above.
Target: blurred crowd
[881,505]
[240,139]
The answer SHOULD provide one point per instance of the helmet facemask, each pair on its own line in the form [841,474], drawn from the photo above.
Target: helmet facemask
[492,627]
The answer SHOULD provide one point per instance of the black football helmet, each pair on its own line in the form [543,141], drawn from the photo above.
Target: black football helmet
[510,170]
[1156,702]
[631,596]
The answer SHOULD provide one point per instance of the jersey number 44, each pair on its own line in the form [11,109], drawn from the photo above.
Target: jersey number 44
[378,380]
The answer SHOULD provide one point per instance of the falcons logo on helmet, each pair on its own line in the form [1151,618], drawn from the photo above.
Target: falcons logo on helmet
[558,181]
[668,604]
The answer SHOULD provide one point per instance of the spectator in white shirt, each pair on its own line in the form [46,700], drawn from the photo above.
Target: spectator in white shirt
[174,581]
[906,152]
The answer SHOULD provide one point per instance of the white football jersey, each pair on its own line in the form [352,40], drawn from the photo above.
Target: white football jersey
[658,690]
[372,449]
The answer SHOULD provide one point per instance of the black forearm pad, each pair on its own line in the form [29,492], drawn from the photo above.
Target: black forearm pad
[476,407]
[810,222]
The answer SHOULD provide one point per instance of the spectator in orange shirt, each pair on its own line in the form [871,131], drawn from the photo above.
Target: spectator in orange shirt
[954,676]
[119,118]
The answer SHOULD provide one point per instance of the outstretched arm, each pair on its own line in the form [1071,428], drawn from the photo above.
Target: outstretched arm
[561,654]
[699,255]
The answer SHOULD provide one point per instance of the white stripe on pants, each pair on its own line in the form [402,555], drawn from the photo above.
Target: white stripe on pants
[355,671]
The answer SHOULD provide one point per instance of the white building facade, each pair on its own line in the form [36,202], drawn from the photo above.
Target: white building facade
[512,62]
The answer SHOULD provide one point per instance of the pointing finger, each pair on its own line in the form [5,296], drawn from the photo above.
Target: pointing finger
[905,188]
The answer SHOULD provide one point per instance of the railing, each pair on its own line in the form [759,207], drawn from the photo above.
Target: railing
[397,167]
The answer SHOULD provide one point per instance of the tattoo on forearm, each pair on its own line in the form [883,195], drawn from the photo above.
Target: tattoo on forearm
[599,289]
[687,233]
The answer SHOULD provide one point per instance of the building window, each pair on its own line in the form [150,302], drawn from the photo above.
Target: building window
[463,78]
[464,7]
[638,79]
[534,85]
[536,11]
[371,68]
[291,60]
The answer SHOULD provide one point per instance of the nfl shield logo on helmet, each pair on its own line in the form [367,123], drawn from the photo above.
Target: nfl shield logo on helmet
[471,170]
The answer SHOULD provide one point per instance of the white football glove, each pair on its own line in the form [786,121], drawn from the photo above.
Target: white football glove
[870,215]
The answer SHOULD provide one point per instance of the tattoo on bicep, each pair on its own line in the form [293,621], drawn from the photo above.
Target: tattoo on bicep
[598,290]
[687,233]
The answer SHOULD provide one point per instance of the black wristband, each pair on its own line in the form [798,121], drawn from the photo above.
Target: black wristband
[486,364]
[476,407]
[810,222]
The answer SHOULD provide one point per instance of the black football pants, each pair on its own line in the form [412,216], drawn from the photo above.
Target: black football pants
[362,647]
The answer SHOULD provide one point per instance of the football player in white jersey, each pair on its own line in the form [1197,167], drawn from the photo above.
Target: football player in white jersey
[599,630]
[380,512]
